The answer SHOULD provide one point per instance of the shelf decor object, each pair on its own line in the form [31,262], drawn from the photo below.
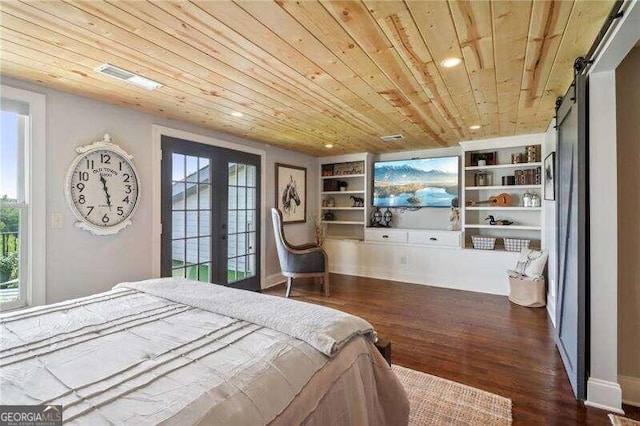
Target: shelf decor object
[291,193]
[515,244]
[483,243]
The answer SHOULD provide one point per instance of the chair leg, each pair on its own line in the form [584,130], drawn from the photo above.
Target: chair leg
[325,283]
[288,286]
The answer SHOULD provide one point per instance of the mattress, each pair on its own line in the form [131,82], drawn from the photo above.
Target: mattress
[181,352]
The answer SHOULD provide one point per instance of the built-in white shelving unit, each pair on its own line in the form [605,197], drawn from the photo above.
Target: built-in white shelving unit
[340,216]
[527,221]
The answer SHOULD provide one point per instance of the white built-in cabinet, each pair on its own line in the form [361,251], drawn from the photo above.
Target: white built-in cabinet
[429,256]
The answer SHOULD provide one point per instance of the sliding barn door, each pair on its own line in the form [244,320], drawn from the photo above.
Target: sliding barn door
[572,234]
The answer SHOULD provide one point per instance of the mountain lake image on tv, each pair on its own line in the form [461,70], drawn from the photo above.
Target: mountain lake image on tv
[426,182]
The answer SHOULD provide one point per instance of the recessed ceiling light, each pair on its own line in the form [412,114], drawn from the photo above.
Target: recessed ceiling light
[128,76]
[475,127]
[328,145]
[451,62]
[237,114]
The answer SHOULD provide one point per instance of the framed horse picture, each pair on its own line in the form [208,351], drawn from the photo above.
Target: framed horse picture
[291,193]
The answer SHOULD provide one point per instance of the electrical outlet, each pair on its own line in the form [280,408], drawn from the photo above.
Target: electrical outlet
[403,260]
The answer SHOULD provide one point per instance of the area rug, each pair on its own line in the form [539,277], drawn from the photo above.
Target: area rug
[622,421]
[436,401]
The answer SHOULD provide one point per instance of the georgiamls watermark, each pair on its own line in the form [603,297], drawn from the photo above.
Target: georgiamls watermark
[30,415]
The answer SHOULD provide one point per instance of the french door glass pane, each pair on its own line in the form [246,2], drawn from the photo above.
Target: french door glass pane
[177,253]
[192,169]
[191,217]
[178,191]
[204,254]
[241,250]
[178,167]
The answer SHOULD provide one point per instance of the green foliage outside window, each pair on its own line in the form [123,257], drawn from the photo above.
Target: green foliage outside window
[9,242]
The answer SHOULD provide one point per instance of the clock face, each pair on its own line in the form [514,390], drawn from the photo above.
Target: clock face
[103,189]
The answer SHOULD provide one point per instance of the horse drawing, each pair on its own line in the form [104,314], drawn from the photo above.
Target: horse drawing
[290,197]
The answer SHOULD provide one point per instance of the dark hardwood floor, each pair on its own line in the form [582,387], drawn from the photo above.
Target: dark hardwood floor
[477,339]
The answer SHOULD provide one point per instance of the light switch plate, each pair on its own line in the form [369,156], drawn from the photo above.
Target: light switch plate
[57,220]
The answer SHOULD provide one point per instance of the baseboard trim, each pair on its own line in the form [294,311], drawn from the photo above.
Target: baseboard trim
[630,390]
[604,395]
[551,308]
[273,280]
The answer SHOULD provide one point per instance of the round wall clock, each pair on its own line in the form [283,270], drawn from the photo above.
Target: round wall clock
[102,187]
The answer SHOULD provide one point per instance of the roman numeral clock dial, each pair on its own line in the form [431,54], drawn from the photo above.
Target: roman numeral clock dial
[102,187]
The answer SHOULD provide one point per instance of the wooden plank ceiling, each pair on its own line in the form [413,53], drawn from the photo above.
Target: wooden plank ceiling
[306,74]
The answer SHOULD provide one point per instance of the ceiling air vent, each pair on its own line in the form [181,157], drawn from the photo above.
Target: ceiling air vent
[392,138]
[128,77]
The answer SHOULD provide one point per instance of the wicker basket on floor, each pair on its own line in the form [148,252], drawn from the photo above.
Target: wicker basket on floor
[529,292]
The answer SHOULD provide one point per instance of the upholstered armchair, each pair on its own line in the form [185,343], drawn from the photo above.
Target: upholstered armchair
[307,260]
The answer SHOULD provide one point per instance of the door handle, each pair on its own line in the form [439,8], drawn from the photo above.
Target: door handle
[385,236]
[433,239]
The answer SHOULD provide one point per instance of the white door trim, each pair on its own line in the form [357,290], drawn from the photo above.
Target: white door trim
[156,157]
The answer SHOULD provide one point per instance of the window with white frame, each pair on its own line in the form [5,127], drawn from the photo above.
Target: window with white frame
[22,199]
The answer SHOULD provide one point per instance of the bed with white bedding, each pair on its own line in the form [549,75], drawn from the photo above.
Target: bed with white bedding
[173,351]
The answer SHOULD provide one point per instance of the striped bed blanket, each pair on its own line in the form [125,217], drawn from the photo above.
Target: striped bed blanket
[173,351]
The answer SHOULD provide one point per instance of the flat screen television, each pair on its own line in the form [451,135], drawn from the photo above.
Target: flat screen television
[420,182]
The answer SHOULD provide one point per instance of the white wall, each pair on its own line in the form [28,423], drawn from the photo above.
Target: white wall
[79,263]
[425,218]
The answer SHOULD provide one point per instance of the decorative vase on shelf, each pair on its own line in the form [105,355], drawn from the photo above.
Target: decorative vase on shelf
[526,199]
[376,217]
[482,163]
[535,200]
[386,217]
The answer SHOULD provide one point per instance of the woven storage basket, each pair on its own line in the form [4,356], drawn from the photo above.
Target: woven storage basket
[515,244]
[527,291]
[483,243]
